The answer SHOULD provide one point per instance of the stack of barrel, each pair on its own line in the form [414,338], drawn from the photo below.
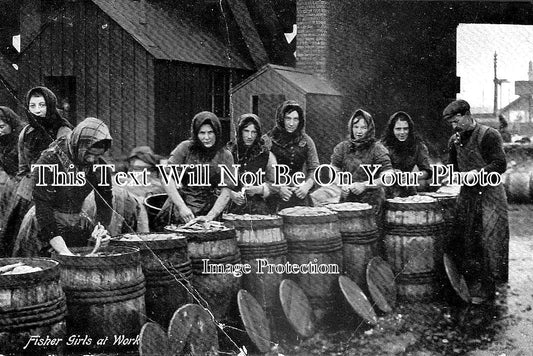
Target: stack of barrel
[360,235]
[105,297]
[261,241]
[167,269]
[414,233]
[313,236]
[32,306]
[208,249]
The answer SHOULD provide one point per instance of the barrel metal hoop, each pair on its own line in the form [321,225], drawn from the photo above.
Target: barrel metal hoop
[415,230]
[360,238]
[152,279]
[270,249]
[167,268]
[104,291]
[40,318]
[318,246]
[106,298]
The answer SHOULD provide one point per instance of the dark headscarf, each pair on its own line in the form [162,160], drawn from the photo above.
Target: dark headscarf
[278,133]
[13,120]
[369,138]
[390,140]
[8,143]
[85,135]
[244,152]
[145,154]
[53,120]
[205,118]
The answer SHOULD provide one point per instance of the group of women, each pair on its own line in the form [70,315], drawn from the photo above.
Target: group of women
[288,144]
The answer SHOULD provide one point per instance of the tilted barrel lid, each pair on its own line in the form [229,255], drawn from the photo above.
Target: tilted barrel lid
[254,320]
[296,308]
[381,285]
[154,341]
[191,326]
[456,279]
[357,300]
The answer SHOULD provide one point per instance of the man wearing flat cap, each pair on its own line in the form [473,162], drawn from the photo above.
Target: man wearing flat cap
[481,242]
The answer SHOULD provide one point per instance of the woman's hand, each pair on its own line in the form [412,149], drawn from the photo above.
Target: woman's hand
[357,188]
[186,213]
[58,244]
[237,197]
[301,191]
[285,193]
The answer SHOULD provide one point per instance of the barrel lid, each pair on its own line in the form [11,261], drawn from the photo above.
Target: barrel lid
[296,308]
[456,279]
[154,341]
[192,326]
[357,300]
[381,285]
[254,320]
[252,221]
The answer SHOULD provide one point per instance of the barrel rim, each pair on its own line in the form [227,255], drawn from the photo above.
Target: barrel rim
[23,279]
[152,244]
[131,257]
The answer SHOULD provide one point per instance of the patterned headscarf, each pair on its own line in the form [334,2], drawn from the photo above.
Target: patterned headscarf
[85,135]
[369,138]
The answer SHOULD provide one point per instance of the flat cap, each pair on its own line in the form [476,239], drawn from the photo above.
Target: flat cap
[460,107]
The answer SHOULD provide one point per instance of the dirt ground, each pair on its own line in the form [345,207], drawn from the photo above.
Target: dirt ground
[442,328]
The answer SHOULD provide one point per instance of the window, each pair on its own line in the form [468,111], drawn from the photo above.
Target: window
[219,92]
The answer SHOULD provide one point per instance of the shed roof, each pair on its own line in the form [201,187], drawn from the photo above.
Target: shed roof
[168,36]
[306,82]
[515,103]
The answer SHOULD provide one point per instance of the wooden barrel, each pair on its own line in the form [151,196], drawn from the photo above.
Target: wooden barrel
[260,240]
[167,270]
[518,186]
[357,224]
[413,239]
[448,206]
[314,240]
[105,296]
[32,304]
[211,250]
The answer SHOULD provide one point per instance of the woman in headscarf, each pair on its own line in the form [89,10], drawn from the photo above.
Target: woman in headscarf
[45,124]
[58,208]
[406,150]
[10,126]
[362,148]
[293,147]
[251,153]
[190,201]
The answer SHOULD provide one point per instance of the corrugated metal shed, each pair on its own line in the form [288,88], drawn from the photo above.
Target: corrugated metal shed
[169,37]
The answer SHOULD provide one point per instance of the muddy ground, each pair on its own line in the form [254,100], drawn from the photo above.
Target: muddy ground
[440,327]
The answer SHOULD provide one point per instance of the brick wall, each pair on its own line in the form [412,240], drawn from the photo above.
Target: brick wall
[312,45]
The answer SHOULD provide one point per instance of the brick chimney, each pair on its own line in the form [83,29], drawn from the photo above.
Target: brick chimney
[530,72]
[312,35]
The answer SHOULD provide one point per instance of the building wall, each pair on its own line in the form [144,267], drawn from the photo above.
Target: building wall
[181,91]
[386,56]
[113,74]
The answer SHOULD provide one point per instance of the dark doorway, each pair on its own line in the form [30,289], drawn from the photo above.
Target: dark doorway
[65,89]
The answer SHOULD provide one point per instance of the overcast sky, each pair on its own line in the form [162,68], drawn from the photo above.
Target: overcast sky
[476,45]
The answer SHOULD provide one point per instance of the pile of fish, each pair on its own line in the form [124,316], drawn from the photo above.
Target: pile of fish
[349,206]
[413,199]
[18,268]
[197,226]
[249,217]
[305,211]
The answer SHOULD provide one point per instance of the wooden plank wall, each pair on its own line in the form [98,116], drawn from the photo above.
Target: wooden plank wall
[114,74]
